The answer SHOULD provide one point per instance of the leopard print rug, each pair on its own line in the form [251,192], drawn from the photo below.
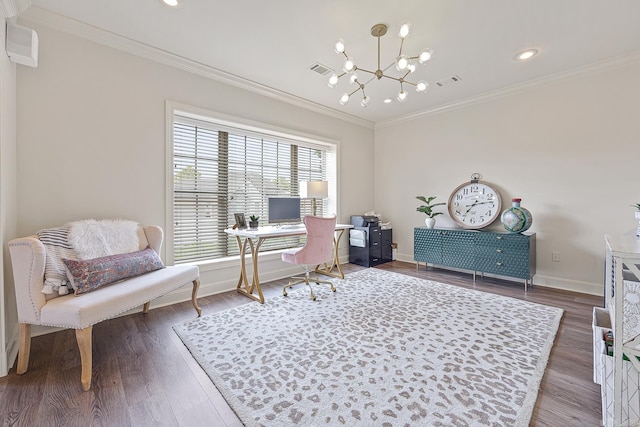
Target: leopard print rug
[385,350]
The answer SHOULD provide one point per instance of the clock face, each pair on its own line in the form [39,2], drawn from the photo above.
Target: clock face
[474,205]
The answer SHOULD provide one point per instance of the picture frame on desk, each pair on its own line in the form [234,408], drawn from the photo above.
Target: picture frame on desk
[240,221]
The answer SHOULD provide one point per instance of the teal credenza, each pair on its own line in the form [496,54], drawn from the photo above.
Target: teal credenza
[493,252]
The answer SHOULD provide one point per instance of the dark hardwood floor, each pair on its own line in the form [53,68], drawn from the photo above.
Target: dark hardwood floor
[143,374]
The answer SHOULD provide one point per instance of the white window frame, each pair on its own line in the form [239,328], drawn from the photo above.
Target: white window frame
[174,109]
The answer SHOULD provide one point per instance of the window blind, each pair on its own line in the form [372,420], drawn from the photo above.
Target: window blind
[220,170]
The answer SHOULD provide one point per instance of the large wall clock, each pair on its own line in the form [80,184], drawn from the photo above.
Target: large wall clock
[474,204]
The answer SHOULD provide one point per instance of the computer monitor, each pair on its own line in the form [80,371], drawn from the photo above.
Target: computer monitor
[284,209]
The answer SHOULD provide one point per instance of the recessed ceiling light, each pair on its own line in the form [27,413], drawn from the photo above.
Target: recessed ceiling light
[172,3]
[388,101]
[526,55]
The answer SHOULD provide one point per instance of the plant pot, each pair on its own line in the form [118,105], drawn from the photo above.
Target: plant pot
[253,224]
[430,222]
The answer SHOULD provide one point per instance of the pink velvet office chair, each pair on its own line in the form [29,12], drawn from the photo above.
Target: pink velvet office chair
[317,250]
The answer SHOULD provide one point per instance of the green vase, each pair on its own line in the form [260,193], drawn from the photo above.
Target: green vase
[516,219]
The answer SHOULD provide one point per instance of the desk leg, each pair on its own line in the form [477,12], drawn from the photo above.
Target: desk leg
[244,287]
[328,270]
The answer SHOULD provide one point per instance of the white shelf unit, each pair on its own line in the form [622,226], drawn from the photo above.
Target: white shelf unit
[621,399]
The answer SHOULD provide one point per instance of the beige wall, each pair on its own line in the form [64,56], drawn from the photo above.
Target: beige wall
[569,149]
[8,315]
[91,140]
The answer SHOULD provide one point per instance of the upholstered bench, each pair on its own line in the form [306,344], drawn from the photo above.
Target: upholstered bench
[81,310]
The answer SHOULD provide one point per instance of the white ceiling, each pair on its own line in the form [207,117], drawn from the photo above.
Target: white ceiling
[274,43]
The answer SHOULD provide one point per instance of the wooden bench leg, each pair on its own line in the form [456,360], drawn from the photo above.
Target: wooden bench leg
[24,348]
[145,307]
[83,336]
[194,296]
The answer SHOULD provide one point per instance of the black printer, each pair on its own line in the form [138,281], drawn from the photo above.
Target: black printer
[364,220]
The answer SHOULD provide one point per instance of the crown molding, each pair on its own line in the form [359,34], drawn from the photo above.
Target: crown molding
[11,8]
[58,22]
[616,62]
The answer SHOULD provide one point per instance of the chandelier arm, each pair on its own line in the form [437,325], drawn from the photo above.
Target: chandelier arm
[367,71]
[401,44]
[393,78]
[393,64]
[369,81]
[355,91]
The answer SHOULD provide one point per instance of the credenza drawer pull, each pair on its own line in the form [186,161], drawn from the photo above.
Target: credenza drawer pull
[498,263]
[499,250]
[499,237]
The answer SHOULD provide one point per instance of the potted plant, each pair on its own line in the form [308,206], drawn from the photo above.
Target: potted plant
[253,221]
[427,209]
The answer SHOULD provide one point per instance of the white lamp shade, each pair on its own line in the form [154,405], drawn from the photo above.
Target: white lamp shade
[314,189]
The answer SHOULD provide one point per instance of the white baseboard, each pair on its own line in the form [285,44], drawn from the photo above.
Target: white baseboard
[538,280]
[4,365]
[569,285]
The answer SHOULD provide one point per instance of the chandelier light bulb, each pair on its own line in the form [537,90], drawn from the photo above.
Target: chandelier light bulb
[353,77]
[411,67]
[422,86]
[349,65]
[402,96]
[364,101]
[402,62]
[404,30]
[333,80]
[339,46]
[425,56]
[344,98]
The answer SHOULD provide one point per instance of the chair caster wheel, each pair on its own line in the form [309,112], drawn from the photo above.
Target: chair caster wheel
[333,290]
[313,297]
[284,293]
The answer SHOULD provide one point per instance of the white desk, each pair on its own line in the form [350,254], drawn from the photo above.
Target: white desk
[253,238]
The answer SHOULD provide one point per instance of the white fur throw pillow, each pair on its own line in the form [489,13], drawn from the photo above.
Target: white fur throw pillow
[98,238]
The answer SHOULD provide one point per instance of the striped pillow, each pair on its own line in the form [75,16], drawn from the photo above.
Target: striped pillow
[56,243]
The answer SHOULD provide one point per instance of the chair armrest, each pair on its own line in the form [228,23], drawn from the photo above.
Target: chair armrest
[155,236]
[28,256]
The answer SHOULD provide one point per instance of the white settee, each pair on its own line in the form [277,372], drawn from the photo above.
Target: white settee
[28,256]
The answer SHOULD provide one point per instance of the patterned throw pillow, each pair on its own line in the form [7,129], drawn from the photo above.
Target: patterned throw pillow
[91,274]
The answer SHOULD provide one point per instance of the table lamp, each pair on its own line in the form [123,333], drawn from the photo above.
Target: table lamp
[314,190]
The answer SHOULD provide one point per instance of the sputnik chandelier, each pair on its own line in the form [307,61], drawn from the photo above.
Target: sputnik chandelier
[404,64]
